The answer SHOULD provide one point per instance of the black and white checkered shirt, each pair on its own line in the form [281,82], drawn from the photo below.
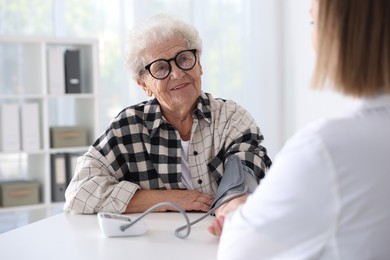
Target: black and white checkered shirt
[141,150]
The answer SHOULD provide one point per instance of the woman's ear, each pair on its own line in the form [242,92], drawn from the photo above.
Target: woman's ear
[143,85]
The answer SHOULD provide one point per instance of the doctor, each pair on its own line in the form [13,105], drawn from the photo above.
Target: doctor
[326,196]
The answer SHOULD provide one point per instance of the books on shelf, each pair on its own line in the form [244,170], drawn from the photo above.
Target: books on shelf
[34,99]
[30,127]
[64,70]
[58,177]
[20,127]
[72,71]
[56,70]
[9,127]
[71,163]
[63,167]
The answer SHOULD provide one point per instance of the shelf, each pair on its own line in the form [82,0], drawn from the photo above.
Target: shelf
[25,70]
[76,96]
[20,97]
[69,150]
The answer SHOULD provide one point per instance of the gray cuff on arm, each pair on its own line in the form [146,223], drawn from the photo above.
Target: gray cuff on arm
[235,179]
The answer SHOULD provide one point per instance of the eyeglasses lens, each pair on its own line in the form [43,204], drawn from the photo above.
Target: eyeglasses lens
[185,60]
[160,69]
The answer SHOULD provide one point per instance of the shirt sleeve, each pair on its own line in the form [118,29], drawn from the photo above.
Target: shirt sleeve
[94,188]
[244,139]
[290,213]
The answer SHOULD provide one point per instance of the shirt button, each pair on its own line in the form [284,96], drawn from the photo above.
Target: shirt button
[195,153]
[200,181]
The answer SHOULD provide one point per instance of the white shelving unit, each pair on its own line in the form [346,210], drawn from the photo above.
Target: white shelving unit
[24,79]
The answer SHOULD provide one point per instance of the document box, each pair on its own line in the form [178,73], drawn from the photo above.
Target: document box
[18,193]
[68,136]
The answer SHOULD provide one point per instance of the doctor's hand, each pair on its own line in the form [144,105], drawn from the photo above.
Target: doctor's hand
[216,226]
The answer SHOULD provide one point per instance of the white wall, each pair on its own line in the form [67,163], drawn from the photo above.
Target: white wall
[263,83]
[302,104]
[273,39]
[284,101]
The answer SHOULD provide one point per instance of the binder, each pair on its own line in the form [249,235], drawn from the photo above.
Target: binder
[71,162]
[56,70]
[58,177]
[72,71]
[30,126]
[9,127]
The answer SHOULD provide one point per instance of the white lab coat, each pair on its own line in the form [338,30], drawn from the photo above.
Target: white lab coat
[327,195]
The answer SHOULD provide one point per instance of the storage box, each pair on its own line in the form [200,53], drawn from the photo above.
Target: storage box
[18,193]
[68,136]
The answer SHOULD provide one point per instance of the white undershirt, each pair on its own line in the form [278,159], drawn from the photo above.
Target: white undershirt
[185,169]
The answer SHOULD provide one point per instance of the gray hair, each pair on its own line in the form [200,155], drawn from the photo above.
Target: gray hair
[158,29]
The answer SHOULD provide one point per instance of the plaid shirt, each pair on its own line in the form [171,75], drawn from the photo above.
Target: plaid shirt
[141,150]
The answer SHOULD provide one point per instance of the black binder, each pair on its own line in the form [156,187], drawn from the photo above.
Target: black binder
[72,71]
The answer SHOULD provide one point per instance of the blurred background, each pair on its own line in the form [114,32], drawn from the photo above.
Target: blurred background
[256,52]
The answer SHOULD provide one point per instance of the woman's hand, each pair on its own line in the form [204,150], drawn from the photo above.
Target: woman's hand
[191,200]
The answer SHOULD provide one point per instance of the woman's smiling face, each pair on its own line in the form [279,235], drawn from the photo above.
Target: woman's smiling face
[180,90]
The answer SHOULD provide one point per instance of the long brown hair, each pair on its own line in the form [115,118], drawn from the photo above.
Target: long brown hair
[353,46]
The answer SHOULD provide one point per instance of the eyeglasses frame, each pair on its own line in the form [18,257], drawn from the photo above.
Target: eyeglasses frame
[147,67]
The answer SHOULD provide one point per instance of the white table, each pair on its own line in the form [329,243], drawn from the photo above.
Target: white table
[68,236]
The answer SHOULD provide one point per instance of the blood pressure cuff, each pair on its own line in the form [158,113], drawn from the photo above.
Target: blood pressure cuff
[235,179]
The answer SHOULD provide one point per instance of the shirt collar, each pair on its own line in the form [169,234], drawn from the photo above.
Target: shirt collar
[153,117]
[373,103]
[202,109]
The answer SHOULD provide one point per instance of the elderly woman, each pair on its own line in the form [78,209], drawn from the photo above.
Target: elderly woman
[174,147]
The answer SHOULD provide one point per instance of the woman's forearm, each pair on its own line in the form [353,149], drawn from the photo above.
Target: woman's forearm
[189,200]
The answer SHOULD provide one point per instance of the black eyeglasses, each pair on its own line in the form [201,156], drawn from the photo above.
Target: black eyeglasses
[160,69]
